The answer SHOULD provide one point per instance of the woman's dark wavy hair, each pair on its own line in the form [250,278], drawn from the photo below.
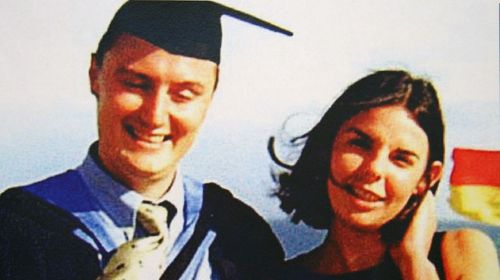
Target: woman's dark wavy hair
[303,190]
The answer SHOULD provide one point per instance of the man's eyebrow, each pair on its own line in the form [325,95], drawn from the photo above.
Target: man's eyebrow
[408,153]
[194,87]
[182,83]
[127,71]
[191,84]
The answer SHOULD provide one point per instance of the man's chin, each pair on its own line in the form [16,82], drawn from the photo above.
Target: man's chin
[153,172]
[147,167]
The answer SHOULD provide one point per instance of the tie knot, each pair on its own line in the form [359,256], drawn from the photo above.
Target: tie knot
[153,218]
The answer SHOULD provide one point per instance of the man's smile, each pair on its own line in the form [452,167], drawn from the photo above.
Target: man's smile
[147,137]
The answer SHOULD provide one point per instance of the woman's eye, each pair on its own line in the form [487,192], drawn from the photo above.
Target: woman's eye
[360,143]
[136,84]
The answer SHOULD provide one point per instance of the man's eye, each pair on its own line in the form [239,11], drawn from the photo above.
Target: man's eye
[403,160]
[183,95]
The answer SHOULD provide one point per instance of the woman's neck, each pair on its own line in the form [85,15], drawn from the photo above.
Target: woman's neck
[346,249]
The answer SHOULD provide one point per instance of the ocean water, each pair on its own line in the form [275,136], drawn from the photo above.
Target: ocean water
[492,231]
[300,238]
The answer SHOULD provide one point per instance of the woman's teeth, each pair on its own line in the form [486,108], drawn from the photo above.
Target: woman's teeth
[365,195]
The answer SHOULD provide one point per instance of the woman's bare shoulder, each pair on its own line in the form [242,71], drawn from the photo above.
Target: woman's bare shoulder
[469,254]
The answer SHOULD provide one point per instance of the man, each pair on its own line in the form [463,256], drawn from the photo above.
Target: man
[154,75]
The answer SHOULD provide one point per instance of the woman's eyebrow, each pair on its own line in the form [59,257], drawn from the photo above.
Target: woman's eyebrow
[361,134]
[358,132]
[408,153]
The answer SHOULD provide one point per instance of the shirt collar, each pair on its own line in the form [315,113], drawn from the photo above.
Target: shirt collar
[119,202]
[175,194]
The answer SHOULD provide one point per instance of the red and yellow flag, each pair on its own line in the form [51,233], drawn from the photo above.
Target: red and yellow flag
[475,184]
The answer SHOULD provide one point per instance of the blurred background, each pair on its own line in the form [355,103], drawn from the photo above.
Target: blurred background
[49,115]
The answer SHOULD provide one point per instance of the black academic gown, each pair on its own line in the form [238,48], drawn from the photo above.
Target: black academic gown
[37,240]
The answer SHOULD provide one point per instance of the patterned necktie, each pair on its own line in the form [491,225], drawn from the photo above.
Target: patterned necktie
[142,258]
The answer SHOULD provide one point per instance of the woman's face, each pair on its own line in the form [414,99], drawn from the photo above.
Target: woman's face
[378,161]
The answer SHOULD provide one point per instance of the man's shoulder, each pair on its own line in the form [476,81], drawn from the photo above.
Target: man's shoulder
[32,204]
[21,207]
[244,238]
[235,222]
[37,241]
[217,201]
[69,177]
[224,205]
[66,191]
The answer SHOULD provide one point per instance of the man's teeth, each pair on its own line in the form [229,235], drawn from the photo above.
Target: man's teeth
[150,138]
[365,195]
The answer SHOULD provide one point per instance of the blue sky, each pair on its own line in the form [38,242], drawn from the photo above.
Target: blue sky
[48,112]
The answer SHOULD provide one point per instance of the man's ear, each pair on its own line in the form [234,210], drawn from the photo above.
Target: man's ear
[94,76]
[432,176]
[216,79]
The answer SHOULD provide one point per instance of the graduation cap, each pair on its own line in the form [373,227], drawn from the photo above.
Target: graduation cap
[188,28]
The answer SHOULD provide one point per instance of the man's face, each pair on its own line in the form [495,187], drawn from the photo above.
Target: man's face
[151,104]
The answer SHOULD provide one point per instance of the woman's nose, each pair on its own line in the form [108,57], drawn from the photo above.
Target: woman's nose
[374,168]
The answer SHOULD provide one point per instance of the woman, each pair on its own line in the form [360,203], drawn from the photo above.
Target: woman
[362,174]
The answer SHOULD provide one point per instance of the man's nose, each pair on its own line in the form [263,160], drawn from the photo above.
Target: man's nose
[155,111]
